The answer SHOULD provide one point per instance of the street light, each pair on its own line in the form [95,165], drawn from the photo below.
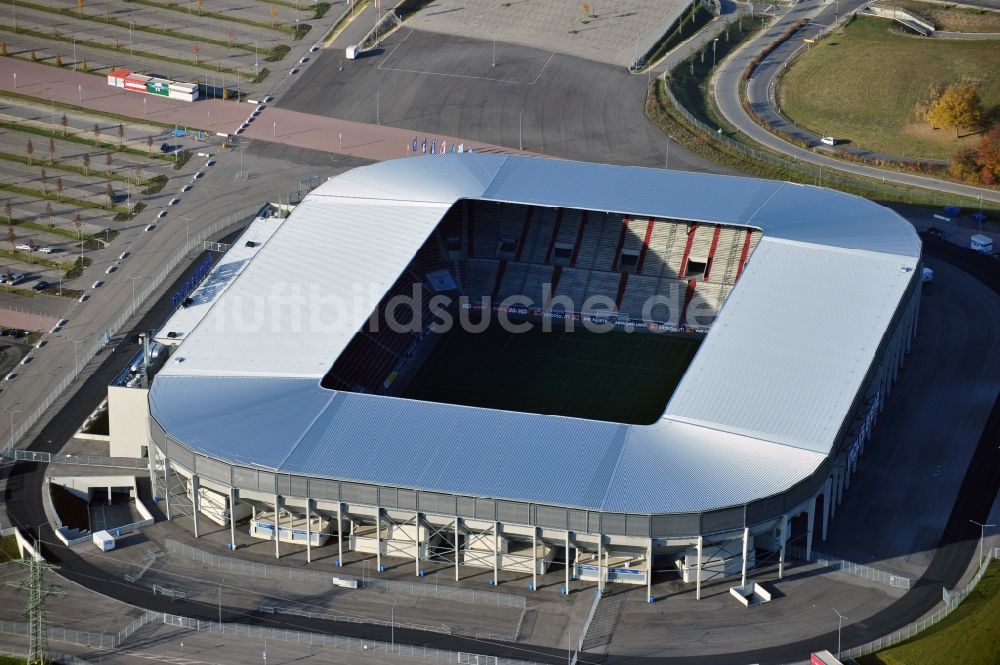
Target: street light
[520,140]
[187,227]
[12,412]
[79,90]
[15,80]
[133,289]
[840,623]
[143,107]
[76,354]
[392,624]
[714,44]
[982,535]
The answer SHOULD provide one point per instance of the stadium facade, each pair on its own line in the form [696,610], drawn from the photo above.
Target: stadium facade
[811,307]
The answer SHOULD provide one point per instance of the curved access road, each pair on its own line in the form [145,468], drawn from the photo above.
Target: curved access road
[727,84]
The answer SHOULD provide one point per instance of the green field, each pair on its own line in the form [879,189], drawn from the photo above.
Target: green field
[951,18]
[612,376]
[969,635]
[861,84]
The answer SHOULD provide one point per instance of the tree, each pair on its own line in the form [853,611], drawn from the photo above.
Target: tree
[3,48]
[79,225]
[52,149]
[107,161]
[200,4]
[12,238]
[988,156]
[97,133]
[45,181]
[957,106]
[195,49]
[274,15]
[64,121]
[7,211]
[29,149]
[110,191]
[149,145]
[83,65]
[79,6]
[121,134]
[59,62]
[59,187]
[48,212]
[229,38]
[86,163]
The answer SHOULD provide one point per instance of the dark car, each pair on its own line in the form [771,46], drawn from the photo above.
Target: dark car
[935,232]
[40,285]
[166,147]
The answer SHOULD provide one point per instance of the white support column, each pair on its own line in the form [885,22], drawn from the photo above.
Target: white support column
[195,486]
[378,540]
[746,550]
[781,553]
[232,518]
[568,564]
[847,473]
[600,563]
[340,533]
[810,521]
[697,573]
[840,484]
[826,505]
[309,536]
[496,553]
[534,558]
[416,544]
[649,571]
[277,526]
[166,484]
[456,547]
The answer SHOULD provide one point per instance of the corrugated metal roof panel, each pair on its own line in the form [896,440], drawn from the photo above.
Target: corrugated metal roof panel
[787,355]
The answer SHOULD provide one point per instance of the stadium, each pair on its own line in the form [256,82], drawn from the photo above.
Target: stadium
[530,365]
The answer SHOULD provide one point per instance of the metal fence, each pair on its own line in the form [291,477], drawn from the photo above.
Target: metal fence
[411,588]
[372,647]
[952,601]
[851,568]
[87,353]
[85,460]
[65,635]
[54,656]
[441,629]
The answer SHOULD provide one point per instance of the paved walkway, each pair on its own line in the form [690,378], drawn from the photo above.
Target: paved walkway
[302,130]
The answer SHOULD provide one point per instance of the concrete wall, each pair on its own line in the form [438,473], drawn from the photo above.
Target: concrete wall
[128,420]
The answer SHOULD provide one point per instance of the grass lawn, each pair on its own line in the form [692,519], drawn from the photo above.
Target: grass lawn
[951,18]
[614,376]
[861,85]
[969,635]
[9,550]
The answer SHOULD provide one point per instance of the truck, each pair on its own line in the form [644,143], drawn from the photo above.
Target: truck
[104,540]
[981,244]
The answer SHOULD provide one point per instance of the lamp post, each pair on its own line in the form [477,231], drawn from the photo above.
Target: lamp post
[392,624]
[715,43]
[143,107]
[12,412]
[520,139]
[76,353]
[79,92]
[840,623]
[982,536]
[187,228]
[133,289]
[15,80]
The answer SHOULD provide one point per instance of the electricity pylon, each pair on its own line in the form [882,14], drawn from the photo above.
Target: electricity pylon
[38,630]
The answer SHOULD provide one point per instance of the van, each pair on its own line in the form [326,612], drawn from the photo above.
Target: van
[828,140]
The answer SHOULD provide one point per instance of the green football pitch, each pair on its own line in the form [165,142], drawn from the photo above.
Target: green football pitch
[614,376]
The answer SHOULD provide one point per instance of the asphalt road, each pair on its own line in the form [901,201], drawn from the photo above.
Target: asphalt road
[546,102]
[728,80]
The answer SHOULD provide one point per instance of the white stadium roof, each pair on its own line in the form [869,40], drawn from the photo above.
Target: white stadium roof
[758,410]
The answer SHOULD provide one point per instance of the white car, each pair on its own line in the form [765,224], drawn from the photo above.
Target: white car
[828,140]
[45,250]
[149,227]
[111,269]
[186,188]
[27,359]
[85,297]
[174,201]
[123,255]
[161,214]
[98,284]
[210,162]
[24,247]
[197,174]
[10,377]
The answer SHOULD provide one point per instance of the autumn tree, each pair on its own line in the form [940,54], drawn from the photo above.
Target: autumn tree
[195,49]
[12,238]
[988,156]
[79,225]
[3,48]
[79,6]
[110,191]
[199,4]
[121,134]
[64,121]
[86,163]
[7,211]
[107,161]
[52,150]
[149,146]
[97,133]
[29,150]
[45,181]
[274,15]
[48,212]
[59,187]
[957,106]
[229,38]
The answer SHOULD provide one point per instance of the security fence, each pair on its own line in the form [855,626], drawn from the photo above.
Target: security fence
[410,588]
[952,601]
[441,629]
[85,460]
[851,568]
